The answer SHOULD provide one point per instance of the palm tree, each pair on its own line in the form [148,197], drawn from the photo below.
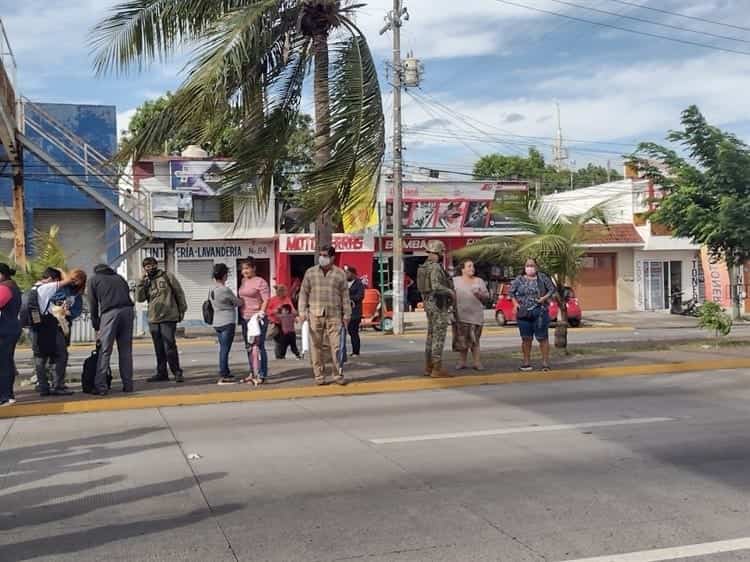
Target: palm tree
[556,241]
[249,65]
[48,252]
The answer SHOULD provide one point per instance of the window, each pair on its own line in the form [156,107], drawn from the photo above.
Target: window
[213,209]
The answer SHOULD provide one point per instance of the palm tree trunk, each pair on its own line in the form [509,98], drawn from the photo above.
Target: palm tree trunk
[324,223]
[561,330]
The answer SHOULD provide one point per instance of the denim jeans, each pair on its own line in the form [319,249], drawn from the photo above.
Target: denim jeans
[225,334]
[261,346]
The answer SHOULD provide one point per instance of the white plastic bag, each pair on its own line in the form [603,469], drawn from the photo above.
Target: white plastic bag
[305,337]
[253,328]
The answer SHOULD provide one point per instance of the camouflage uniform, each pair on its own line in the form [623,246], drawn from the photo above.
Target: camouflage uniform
[437,305]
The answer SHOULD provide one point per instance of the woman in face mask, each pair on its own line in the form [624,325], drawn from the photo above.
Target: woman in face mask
[531,294]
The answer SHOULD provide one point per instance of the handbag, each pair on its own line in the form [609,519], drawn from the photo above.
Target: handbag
[208,309]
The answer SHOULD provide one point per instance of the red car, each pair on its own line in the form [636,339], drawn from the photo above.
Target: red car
[505,310]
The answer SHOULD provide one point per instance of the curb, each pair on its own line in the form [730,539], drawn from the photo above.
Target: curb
[359,388]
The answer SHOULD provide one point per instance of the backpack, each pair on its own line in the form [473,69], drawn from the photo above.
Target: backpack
[88,376]
[29,314]
[208,309]
[424,284]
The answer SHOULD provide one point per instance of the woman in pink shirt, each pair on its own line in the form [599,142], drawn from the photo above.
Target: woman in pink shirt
[254,293]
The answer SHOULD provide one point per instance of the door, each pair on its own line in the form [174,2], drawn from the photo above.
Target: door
[597,285]
[195,278]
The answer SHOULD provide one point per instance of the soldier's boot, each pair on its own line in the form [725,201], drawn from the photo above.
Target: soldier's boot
[427,365]
[437,370]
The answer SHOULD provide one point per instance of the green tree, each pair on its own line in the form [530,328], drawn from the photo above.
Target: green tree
[251,61]
[151,111]
[533,168]
[557,242]
[706,193]
[713,318]
[48,252]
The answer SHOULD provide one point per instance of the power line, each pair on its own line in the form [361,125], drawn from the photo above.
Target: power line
[626,29]
[650,22]
[686,16]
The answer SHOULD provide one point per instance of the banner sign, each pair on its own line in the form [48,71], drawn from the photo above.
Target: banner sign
[201,177]
[456,207]
[306,243]
[717,284]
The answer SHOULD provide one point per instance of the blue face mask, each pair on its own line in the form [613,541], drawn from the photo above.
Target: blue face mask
[324,261]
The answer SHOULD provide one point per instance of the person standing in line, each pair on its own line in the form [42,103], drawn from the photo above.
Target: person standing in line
[51,339]
[531,293]
[255,293]
[324,302]
[471,296]
[10,332]
[166,307]
[287,333]
[356,296]
[225,305]
[437,290]
[112,315]
[37,331]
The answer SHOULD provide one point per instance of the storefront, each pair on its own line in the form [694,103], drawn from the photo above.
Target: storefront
[659,275]
[296,253]
[195,261]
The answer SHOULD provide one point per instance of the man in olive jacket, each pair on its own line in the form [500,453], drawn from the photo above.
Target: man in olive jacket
[166,307]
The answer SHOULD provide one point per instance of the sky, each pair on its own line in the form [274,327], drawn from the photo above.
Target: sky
[493,72]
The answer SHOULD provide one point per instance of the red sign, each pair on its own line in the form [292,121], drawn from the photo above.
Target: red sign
[306,243]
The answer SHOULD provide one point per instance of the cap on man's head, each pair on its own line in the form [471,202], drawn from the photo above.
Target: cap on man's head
[150,261]
[328,249]
[350,268]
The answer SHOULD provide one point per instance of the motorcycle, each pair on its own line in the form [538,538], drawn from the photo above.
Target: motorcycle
[683,308]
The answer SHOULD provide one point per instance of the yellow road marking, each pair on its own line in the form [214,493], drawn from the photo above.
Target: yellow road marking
[359,388]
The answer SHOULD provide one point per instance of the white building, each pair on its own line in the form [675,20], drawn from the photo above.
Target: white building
[226,229]
[632,264]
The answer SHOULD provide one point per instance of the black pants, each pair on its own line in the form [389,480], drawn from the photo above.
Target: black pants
[353,329]
[7,365]
[285,341]
[163,335]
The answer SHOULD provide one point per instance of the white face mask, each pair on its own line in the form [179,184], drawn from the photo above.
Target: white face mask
[530,271]
[324,261]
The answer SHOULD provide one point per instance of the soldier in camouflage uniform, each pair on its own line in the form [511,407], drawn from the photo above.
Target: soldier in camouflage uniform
[438,301]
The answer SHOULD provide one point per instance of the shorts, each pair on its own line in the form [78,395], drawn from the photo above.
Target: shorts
[536,326]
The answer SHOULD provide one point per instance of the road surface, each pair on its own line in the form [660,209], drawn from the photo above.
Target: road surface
[655,467]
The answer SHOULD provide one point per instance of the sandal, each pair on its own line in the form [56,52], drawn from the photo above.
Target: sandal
[545,369]
[526,368]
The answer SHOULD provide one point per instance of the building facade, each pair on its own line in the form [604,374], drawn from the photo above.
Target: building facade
[88,233]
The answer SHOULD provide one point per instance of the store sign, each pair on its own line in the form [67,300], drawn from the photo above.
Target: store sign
[306,244]
[716,280]
[410,244]
[211,251]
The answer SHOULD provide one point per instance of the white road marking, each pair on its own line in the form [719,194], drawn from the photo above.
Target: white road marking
[512,430]
[677,552]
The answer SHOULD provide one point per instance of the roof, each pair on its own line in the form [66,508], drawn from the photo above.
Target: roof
[613,234]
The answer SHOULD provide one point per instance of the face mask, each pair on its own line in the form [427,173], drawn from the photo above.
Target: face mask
[324,261]
[530,271]
[153,273]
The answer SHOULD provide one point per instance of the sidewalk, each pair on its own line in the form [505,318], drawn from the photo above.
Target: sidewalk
[293,379]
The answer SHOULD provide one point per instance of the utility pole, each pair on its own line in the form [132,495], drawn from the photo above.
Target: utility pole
[394,21]
[19,224]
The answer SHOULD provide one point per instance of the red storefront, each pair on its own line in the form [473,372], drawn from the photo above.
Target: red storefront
[295,253]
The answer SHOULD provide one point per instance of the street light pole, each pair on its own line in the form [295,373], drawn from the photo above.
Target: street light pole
[393,23]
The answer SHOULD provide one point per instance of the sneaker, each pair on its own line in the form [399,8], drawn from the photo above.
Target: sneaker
[128,390]
[44,392]
[341,382]
[158,378]
[298,357]
[226,380]
[179,378]
[526,368]
[545,369]
[61,392]
[8,402]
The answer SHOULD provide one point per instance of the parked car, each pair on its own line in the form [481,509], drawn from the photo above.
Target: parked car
[505,310]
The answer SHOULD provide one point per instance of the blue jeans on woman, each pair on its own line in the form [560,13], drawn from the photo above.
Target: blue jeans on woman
[225,334]
[261,346]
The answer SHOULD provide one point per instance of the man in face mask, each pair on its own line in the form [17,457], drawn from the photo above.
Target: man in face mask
[324,302]
[166,307]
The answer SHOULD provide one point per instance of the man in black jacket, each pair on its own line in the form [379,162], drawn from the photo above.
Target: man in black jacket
[356,296]
[112,316]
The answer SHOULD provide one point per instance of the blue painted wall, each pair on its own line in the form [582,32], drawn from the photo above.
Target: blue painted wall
[45,189]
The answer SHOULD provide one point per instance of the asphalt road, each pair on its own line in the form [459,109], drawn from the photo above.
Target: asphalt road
[651,466]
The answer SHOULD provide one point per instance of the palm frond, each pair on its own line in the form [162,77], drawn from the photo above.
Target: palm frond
[357,139]
[138,32]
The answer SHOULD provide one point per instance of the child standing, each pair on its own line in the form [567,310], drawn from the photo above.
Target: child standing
[288,336]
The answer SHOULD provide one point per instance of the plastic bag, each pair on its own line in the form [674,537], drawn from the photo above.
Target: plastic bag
[305,337]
